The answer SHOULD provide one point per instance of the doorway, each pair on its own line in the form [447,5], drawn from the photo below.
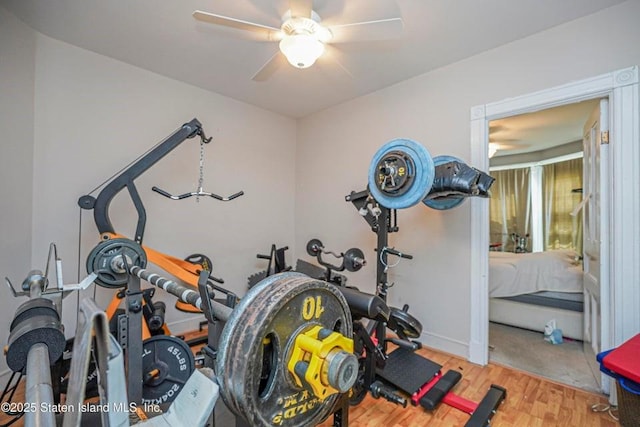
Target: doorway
[536,244]
[621,87]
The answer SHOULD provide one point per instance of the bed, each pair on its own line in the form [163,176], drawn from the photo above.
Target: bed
[529,289]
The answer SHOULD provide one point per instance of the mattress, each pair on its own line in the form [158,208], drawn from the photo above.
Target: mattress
[512,274]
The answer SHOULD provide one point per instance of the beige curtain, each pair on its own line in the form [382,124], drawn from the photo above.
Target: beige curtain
[561,230]
[510,207]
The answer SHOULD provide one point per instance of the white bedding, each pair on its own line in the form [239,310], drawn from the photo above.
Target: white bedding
[512,274]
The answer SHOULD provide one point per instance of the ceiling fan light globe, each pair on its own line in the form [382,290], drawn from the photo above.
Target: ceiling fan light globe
[301,50]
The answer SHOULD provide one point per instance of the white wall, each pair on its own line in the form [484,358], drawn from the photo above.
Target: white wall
[94,115]
[336,145]
[17,68]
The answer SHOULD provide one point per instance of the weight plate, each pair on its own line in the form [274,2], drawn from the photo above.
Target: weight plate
[257,342]
[45,329]
[443,203]
[32,308]
[353,259]
[91,385]
[402,322]
[398,188]
[201,260]
[101,258]
[361,387]
[167,364]
[313,247]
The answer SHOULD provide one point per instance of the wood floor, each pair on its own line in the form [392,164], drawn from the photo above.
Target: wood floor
[531,401]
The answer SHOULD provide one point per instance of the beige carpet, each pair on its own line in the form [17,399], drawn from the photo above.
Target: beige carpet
[528,351]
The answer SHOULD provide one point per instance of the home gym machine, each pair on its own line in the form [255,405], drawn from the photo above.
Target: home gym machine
[184,270]
[288,377]
[402,174]
[277,264]
[35,347]
[283,357]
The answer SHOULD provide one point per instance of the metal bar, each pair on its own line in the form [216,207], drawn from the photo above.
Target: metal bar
[92,327]
[125,179]
[381,270]
[183,293]
[39,390]
[134,340]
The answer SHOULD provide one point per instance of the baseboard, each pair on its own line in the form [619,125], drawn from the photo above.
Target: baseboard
[445,344]
[185,325]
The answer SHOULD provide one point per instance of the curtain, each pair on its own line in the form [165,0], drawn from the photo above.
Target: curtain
[561,230]
[510,207]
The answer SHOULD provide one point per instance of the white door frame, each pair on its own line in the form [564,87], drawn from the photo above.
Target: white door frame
[621,87]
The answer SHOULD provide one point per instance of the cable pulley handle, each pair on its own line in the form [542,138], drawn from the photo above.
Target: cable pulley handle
[222,199]
[197,193]
[397,253]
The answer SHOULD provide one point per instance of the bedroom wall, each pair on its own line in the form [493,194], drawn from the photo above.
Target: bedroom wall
[95,115]
[17,68]
[336,145]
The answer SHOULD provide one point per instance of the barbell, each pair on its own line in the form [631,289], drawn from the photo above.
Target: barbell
[285,355]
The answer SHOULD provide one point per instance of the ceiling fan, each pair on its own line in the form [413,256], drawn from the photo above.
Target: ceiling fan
[303,38]
[501,143]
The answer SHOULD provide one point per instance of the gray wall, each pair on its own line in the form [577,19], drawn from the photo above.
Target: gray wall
[17,68]
[94,115]
[336,145]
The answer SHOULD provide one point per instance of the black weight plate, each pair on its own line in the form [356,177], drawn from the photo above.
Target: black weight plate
[350,259]
[361,387]
[314,247]
[99,261]
[32,308]
[202,260]
[255,348]
[91,387]
[405,323]
[45,329]
[167,364]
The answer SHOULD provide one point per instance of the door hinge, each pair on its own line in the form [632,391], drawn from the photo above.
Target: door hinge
[604,137]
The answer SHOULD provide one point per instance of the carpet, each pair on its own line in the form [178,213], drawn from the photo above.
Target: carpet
[528,351]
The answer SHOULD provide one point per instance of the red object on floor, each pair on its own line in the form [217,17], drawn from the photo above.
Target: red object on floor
[625,359]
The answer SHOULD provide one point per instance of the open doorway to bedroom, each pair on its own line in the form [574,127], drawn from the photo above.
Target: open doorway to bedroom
[613,166]
[536,243]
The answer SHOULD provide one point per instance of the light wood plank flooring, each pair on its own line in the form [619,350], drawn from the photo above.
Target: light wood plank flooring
[531,401]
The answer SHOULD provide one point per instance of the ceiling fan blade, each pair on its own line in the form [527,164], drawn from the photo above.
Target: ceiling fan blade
[270,67]
[270,33]
[301,8]
[506,146]
[383,29]
[335,56]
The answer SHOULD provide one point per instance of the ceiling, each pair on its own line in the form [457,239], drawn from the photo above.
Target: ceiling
[541,130]
[163,37]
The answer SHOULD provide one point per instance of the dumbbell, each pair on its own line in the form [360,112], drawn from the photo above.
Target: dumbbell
[353,259]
